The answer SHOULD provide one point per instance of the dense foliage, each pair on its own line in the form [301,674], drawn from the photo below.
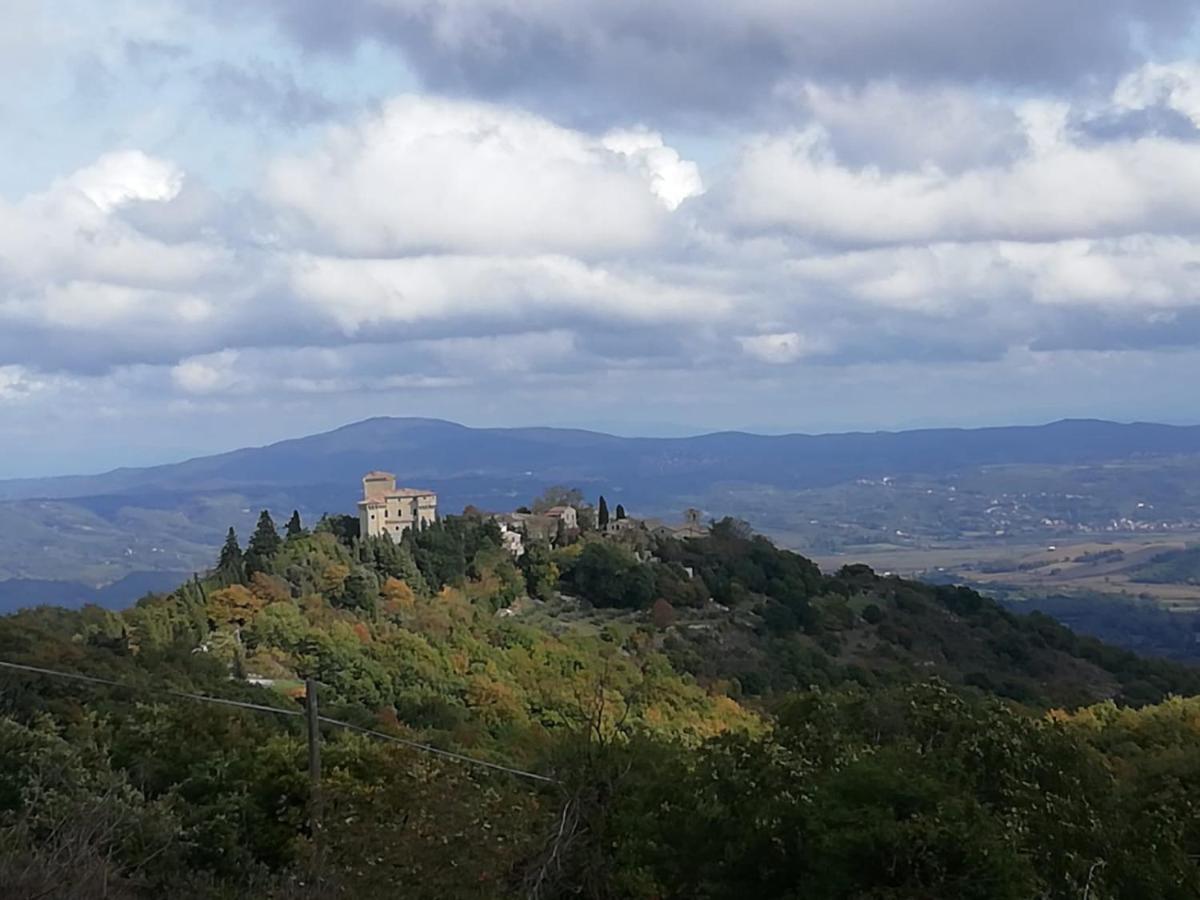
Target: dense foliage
[720,719]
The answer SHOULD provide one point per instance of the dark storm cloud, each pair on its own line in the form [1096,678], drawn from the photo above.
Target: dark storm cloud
[590,58]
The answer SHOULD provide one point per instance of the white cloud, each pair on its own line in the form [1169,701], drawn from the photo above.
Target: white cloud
[358,294]
[118,178]
[17,382]
[671,178]
[209,374]
[67,259]
[429,174]
[1175,86]
[782,347]
[1138,272]
[1059,190]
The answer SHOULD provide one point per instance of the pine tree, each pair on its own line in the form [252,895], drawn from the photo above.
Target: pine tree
[294,527]
[602,515]
[264,545]
[231,565]
[620,512]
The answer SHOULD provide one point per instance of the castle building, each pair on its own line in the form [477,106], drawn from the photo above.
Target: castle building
[387,509]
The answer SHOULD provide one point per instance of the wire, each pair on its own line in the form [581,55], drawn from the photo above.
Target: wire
[415,745]
[174,693]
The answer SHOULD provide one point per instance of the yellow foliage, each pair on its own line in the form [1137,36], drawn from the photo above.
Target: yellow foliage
[269,589]
[333,577]
[397,596]
[234,605]
[495,701]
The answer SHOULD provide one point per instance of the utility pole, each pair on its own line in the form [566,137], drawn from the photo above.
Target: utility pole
[314,755]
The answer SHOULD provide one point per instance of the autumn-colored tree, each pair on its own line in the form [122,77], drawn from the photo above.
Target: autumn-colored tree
[397,597]
[234,606]
[662,614]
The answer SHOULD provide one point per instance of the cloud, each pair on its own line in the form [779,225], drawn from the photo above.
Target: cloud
[117,178]
[1175,86]
[18,383]
[264,94]
[672,180]
[1058,189]
[898,126]
[680,58]
[360,295]
[208,374]
[428,174]
[785,347]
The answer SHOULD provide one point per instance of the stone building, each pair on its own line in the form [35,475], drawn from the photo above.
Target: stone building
[387,509]
[568,515]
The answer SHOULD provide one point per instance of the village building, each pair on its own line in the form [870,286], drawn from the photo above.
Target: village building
[543,526]
[566,514]
[510,538]
[388,510]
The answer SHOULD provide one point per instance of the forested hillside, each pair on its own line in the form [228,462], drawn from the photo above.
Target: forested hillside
[701,718]
[829,493]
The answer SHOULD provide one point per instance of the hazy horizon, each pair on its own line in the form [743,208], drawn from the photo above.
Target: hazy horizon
[183,455]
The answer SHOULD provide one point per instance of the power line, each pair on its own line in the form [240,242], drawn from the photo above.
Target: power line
[169,691]
[416,745]
[205,698]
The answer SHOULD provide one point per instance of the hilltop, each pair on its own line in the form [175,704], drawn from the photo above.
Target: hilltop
[820,493]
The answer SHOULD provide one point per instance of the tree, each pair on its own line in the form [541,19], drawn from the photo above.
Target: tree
[602,514]
[620,512]
[662,614]
[607,574]
[344,528]
[234,607]
[231,565]
[558,495]
[541,574]
[294,527]
[264,544]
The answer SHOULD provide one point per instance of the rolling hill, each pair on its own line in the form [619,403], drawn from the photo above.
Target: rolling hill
[813,491]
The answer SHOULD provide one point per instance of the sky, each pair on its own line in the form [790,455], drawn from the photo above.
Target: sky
[225,223]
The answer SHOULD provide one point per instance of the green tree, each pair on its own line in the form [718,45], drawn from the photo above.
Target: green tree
[264,545]
[602,514]
[607,574]
[541,574]
[231,565]
[294,527]
[620,512]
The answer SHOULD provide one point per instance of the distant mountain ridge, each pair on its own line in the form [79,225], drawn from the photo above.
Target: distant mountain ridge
[94,530]
[420,448]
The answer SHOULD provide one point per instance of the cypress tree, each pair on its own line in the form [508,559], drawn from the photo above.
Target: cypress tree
[231,565]
[264,544]
[294,527]
[602,515]
[620,512]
